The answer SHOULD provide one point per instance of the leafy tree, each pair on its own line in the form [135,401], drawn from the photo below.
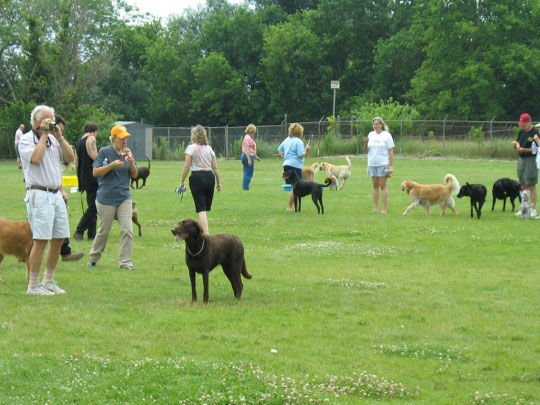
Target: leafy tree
[295,73]
[289,6]
[481,60]
[348,31]
[169,63]
[219,96]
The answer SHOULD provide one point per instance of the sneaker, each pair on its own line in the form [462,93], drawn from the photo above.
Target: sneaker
[39,290]
[127,267]
[91,264]
[52,287]
[78,236]
[72,257]
[518,214]
[533,213]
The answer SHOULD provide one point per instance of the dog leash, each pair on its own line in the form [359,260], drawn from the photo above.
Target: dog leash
[180,191]
[199,252]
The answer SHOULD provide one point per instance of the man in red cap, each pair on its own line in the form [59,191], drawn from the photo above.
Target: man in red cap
[527,170]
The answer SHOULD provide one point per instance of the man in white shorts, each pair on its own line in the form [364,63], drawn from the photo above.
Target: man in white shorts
[42,152]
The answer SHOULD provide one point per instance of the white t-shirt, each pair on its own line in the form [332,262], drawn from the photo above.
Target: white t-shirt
[18,135]
[48,173]
[201,156]
[378,145]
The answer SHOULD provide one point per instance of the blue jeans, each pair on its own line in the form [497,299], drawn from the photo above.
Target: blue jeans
[248,170]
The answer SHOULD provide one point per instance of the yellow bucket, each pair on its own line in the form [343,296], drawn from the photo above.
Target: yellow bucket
[70,181]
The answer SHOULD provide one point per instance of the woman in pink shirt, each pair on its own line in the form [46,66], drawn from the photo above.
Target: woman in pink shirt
[249,154]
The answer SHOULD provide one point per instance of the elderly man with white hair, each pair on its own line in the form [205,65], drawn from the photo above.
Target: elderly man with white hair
[42,152]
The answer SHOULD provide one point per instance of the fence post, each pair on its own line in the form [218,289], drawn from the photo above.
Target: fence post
[444,135]
[321,137]
[401,136]
[227,141]
[491,152]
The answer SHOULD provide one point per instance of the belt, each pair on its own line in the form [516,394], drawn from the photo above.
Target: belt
[50,190]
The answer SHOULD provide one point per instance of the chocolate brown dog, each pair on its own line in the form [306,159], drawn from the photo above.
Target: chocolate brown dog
[142,174]
[16,240]
[205,252]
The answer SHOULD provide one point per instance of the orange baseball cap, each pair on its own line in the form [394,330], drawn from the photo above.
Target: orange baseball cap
[120,131]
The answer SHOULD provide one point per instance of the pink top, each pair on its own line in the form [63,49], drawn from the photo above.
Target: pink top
[249,147]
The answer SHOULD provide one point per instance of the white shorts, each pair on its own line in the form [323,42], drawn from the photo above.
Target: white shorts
[47,215]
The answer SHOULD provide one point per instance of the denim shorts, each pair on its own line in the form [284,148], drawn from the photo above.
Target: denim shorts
[378,171]
[47,215]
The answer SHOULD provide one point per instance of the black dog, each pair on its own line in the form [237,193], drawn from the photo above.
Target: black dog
[143,173]
[478,193]
[204,252]
[302,188]
[506,188]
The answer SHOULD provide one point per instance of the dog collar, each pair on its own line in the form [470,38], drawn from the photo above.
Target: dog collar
[199,252]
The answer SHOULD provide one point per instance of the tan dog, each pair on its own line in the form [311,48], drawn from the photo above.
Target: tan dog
[308,173]
[427,195]
[341,173]
[16,240]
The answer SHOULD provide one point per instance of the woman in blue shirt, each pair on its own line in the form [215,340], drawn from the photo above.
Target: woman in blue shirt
[293,152]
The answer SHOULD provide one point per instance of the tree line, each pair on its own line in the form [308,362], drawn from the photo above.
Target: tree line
[225,64]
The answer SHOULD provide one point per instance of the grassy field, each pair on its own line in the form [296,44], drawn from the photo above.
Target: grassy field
[345,307]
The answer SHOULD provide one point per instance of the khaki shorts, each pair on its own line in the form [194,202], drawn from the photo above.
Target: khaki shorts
[47,215]
[527,171]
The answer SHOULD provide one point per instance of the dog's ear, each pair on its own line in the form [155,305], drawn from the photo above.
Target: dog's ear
[198,228]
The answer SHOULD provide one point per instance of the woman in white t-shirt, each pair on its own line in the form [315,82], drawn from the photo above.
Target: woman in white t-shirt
[379,146]
[201,160]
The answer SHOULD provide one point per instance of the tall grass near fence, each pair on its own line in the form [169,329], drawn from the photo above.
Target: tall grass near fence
[495,149]
[344,307]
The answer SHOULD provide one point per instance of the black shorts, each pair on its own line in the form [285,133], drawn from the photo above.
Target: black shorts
[201,184]
[298,171]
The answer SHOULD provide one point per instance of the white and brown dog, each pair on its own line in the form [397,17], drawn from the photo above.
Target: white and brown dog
[341,173]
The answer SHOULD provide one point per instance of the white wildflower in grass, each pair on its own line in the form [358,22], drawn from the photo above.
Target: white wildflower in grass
[344,283]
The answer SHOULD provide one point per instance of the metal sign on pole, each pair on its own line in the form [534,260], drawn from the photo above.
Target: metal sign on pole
[334,84]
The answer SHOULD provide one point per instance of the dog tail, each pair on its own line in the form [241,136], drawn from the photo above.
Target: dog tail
[348,162]
[245,272]
[451,179]
[146,157]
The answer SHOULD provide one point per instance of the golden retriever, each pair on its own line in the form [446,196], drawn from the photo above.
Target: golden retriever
[308,173]
[341,173]
[427,195]
[16,240]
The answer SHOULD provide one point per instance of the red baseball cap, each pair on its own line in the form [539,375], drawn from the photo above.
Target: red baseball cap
[524,118]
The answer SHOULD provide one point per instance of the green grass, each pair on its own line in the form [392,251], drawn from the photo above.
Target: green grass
[357,305]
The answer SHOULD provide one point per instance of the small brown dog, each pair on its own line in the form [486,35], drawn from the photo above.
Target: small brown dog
[308,173]
[16,240]
[205,252]
[427,195]
[142,174]
[134,216]
[333,182]
[341,173]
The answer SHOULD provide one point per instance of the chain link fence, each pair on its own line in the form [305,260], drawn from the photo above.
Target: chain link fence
[445,131]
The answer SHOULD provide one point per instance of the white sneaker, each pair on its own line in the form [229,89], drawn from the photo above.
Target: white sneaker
[518,214]
[39,290]
[52,287]
[533,213]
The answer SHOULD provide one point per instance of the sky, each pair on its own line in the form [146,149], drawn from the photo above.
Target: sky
[162,8]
